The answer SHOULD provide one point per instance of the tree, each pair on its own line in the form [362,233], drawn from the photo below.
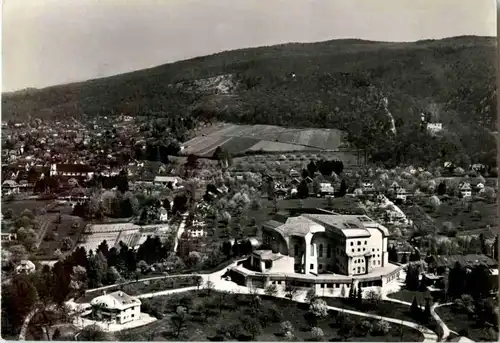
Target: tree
[441,190]
[178,321]
[317,334]
[484,248]
[360,295]
[251,326]
[271,290]
[209,287]
[310,295]
[414,308]
[342,291]
[303,190]
[381,327]
[27,237]
[373,297]
[393,254]
[92,333]
[427,310]
[343,188]
[67,244]
[286,326]
[412,277]
[319,308]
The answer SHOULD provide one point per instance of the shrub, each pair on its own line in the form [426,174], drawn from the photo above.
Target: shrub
[366,326]
[319,308]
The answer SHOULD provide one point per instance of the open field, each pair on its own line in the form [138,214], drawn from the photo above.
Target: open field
[217,316]
[238,139]
[56,232]
[466,325]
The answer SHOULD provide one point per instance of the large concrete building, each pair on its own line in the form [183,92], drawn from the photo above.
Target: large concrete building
[322,249]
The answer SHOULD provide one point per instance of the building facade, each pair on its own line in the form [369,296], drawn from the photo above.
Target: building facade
[328,250]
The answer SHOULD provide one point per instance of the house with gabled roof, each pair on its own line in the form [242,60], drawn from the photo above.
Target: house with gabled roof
[465,189]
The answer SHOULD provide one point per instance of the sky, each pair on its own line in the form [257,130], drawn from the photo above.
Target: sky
[48,42]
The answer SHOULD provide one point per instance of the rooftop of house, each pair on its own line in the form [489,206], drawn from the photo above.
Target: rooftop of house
[115,301]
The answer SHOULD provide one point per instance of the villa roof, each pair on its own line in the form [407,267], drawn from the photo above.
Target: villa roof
[117,300]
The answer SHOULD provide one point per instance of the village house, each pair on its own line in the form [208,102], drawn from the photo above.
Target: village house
[117,308]
[401,194]
[165,180]
[25,267]
[465,190]
[326,188]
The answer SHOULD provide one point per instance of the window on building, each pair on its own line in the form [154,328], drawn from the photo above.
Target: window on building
[359,242]
[296,250]
[322,285]
[352,250]
[359,249]
[359,269]
[311,266]
[320,250]
[320,266]
[366,242]
[352,243]
[312,250]
[328,251]
[364,249]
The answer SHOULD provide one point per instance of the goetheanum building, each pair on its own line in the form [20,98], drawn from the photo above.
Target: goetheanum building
[323,249]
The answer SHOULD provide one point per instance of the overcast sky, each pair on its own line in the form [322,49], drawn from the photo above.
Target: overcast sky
[47,42]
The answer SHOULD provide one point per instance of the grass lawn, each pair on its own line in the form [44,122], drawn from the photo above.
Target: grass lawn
[465,325]
[144,287]
[478,216]
[408,296]
[383,308]
[209,316]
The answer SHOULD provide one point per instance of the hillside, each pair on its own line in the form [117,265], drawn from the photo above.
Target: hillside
[335,84]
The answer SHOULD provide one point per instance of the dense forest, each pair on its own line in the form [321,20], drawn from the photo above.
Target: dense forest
[334,84]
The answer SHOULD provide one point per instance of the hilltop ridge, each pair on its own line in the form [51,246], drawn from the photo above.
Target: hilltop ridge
[334,84]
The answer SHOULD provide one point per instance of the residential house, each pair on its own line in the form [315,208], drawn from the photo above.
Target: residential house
[163,215]
[401,194]
[294,174]
[25,267]
[80,171]
[465,189]
[326,188]
[367,186]
[165,180]
[117,307]
[10,187]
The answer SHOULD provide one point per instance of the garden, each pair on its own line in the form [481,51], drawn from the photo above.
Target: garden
[476,320]
[217,316]
[148,286]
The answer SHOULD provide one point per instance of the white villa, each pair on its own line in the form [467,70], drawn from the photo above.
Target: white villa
[25,267]
[116,307]
[323,249]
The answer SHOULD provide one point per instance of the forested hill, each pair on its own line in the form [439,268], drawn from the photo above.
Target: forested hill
[336,84]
